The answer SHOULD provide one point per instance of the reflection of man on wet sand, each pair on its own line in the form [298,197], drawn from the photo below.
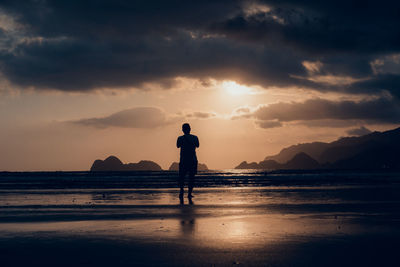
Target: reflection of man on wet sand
[188,160]
[188,221]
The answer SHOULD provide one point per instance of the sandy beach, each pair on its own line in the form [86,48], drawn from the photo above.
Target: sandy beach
[290,225]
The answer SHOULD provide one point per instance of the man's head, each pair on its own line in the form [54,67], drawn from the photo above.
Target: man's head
[186,128]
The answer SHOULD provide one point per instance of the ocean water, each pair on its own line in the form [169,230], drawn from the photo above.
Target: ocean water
[168,179]
[86,195]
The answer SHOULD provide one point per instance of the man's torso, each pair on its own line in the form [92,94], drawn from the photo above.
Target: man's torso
[188,144]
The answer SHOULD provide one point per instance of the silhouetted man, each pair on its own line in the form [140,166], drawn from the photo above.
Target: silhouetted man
[188,161]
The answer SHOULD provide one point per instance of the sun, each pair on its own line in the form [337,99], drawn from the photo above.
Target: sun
[235,89]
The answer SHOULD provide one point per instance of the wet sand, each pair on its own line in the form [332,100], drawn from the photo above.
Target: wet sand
[345,225]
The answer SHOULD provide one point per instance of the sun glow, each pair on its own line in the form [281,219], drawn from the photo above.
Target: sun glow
[233,88]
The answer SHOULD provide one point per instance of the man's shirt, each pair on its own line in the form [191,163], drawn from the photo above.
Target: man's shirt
[188,143]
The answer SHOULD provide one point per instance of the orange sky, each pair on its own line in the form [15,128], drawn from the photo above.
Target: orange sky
[251,77]
[41,130]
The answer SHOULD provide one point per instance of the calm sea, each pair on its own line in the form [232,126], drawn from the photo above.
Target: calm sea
[168,179]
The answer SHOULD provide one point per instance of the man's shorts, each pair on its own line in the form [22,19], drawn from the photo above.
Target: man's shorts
[188,167]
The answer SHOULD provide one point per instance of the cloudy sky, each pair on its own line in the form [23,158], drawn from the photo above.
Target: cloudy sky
[81,80]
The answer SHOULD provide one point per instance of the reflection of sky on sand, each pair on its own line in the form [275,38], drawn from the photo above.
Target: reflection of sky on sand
[213,231]
[219,217]
[204,196]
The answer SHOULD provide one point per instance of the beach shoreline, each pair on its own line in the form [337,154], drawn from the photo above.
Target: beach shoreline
[291,224]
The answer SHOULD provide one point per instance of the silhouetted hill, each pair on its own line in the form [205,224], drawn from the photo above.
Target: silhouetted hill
[349,147]
[112,163]
[143,165]
[245,165]
[109,164]
[300,161]
[342,148]
[269,165]
[377,150]
[314,149]
[372,159]
[200,167]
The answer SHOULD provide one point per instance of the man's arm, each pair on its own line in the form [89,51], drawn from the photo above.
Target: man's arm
[178,142]
[196,142]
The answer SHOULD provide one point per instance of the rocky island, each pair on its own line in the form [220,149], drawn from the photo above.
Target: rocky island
[113,163]
[200,167]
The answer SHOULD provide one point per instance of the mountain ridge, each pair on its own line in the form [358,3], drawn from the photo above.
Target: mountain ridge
[300,161]
[376,150]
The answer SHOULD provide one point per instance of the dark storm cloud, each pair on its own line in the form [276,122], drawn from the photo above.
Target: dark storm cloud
[85,45]
[382,110]
[389,82]
[78,65]
[141,117]
[321,26]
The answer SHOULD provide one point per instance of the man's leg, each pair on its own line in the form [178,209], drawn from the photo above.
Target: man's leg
[182,174]
[191,184]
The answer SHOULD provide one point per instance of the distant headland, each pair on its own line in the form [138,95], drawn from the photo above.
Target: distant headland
[112,163]
[374,151]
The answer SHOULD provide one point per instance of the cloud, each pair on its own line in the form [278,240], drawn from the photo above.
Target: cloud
[334,26]
[387,64]
[383,110]
[114,44]
[359,131]
[268,124]
[381,82]
[242,112]
[330,123]
[141,117]
[379,110]
[201,115]
[81,65]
